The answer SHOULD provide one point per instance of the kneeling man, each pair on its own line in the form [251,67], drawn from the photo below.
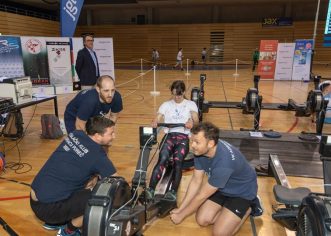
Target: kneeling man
[225,200]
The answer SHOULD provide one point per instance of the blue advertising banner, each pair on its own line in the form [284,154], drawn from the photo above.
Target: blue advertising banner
[327,32]
[11,63]
[302,59]
[70,11]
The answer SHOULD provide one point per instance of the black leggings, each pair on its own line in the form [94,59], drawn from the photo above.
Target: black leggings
[175,145]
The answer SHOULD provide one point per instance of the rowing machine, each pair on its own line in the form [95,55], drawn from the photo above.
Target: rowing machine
[305,212]
[116,209]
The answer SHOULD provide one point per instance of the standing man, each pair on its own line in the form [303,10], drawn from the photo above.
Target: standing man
[225,200]
[61,189]
[87,66]
[256,55]
[204,55]
[102,100]
[155,56]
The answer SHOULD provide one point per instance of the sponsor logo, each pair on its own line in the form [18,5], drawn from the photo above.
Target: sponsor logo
[71,9]
[7,47]
[33,46]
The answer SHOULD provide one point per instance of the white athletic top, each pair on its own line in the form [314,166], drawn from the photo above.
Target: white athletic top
[177,113]
[179,56]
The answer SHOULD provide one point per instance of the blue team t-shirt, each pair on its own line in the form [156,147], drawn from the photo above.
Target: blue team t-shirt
[229,171]
[70,167]
[87,104]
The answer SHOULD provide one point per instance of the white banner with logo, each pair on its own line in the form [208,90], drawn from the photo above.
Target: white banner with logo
[284,62]
[103,47]
[77,44]
[302,59]
[35,59]
[59,62]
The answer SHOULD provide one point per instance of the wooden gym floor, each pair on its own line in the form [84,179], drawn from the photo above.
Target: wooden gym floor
[139,109]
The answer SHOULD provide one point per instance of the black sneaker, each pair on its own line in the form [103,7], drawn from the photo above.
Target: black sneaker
[171,195]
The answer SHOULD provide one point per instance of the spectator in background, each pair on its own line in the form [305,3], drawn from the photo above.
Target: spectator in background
[204,56]
[256,55]
[179,59]
[87,66]
[155,56]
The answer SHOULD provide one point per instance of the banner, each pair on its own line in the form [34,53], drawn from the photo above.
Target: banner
[267,60]
[284,61]
[35,59]
[11,63]
[302,59]
[77,44]
[70,11]
[59,61]
[103,47]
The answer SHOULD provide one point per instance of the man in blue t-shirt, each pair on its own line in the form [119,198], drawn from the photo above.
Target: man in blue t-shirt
[102,100]
[61,189]
[225,200]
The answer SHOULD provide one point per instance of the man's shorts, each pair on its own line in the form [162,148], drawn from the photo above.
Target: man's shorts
[63,211]
[237,205]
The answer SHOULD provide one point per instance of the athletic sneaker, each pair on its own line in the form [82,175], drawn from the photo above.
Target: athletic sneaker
[171,195]
[149,193]
[62,232]
[52,227]
[257,207]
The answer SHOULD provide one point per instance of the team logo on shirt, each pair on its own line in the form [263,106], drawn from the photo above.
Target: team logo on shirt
[227,145]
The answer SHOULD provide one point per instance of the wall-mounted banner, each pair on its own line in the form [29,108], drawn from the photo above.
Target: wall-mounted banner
[70,11]
[59,61]
[302,59]
[267,60]
[35,59]
[284,62]
[103,47]
[11,63]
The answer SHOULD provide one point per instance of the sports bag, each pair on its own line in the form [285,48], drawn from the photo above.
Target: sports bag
[50,127]
[14,125]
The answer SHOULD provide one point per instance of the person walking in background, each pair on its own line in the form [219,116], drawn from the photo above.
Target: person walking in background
[256,55]
[87,66]
[204,56]
[155,56]
[179,59]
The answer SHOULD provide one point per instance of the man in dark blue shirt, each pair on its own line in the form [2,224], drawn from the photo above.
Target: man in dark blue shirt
[61,189]
[102,100]
[225,200]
